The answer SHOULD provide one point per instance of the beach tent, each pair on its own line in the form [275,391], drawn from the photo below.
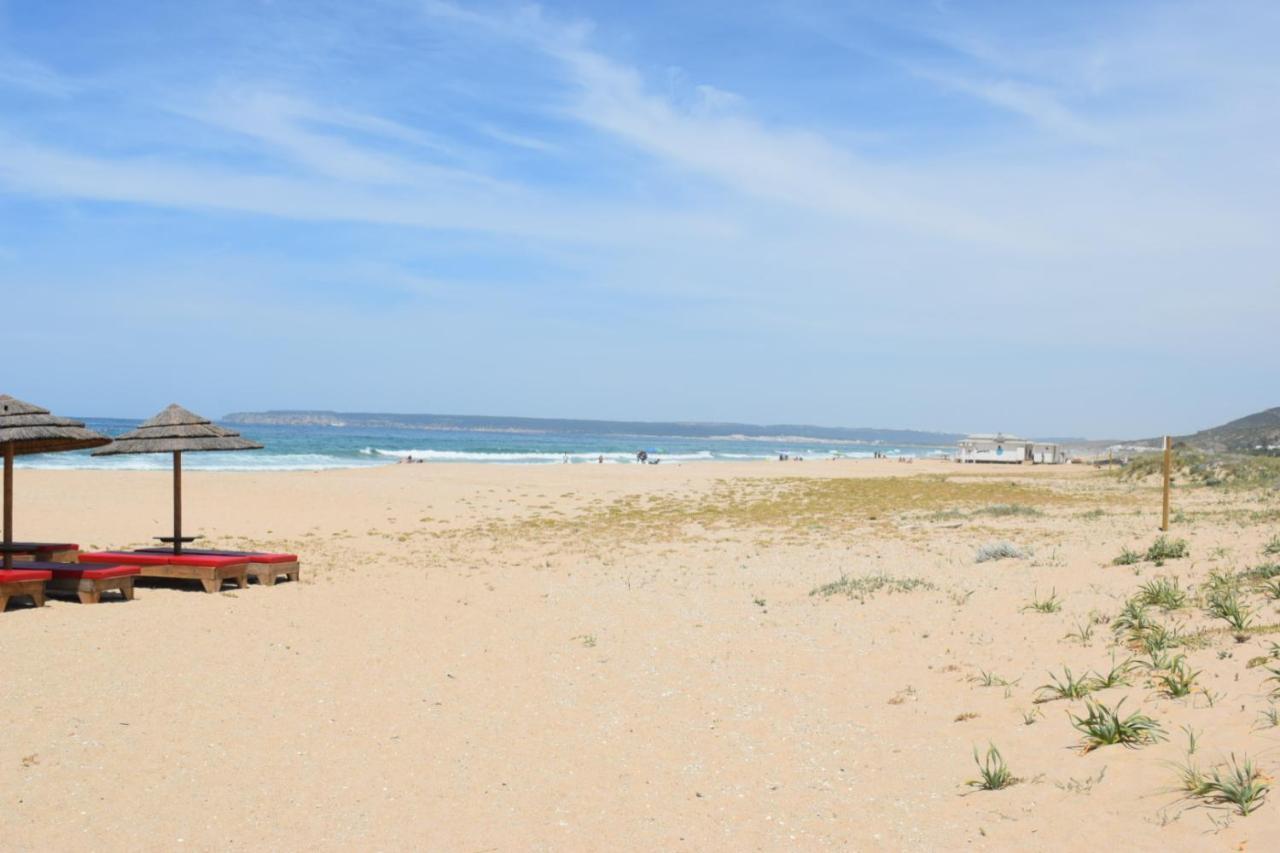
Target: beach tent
[177,431]
[26,429]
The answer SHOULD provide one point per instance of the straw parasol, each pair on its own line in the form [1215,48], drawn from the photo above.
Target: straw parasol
[177,431]
[25,429]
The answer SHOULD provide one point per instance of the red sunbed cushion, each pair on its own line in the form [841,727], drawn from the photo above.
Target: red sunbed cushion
[139,558]
[251,556]
[77,571]
[15,575]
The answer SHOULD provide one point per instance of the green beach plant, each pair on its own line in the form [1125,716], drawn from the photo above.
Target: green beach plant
[1128,557]
[1191,778]
[1164,593]
[993,772]
[1263,572]
[1157,659]
[1158,637]
[990,679]
[1272,548]
[1116,676]
[1165,548]
[1239,783]
[1067,687]
[1052,604]
[1274,676]
[1082,634]
[1103,725]
[1132,618]
[1178,679]
[1227,607]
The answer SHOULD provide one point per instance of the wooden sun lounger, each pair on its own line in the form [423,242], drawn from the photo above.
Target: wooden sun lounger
[212,572]
[15,583]
[88,581]
[45,552]
[264,567]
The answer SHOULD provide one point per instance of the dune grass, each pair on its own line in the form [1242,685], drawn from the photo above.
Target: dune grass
[993,772]
[1103,725]
[865,586]
[799,505]
[999,551]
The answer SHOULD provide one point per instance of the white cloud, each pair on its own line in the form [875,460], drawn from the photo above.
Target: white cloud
[22,73]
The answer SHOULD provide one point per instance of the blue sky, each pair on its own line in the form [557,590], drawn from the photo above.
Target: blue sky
[1051,218]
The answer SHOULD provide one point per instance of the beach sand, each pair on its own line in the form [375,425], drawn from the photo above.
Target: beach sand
[583,657]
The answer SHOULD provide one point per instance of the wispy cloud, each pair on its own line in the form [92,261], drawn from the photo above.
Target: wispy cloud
[869,185]
[21,73]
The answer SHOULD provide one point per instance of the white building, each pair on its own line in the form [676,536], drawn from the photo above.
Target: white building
[1008,449]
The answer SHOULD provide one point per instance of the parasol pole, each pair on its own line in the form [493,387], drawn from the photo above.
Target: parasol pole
[177,501]
[8,504]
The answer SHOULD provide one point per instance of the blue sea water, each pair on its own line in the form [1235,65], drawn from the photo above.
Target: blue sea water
[306,448]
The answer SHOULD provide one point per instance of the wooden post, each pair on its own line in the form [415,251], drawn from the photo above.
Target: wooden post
[8,503]
[177,501]
[1168,473]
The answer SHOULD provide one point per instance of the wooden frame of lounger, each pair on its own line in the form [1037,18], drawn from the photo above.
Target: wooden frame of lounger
[267,573]
[17,589]
[90,590]
[44,555]
[264,573]
[211,577]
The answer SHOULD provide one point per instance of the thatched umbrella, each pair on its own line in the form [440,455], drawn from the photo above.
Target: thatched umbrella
[25,429]
[177,431]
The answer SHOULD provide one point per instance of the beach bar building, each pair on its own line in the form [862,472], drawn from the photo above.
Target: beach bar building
[1004,449]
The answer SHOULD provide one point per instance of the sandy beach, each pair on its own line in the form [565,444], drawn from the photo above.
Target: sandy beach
[583,657]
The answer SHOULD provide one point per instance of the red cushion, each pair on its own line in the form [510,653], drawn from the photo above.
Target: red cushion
[251,556]
[76,571]
[15,575]
[139,558]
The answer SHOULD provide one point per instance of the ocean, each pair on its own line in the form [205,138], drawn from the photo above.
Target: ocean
[318,447]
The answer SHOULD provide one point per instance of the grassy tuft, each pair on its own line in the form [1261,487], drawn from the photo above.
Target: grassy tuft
[999,551]
[865,586]
[1103,726]
[1117,676]
[1227,607]
[1052,604]
[993,772]
[1128,557]
[1178,679]
[1239,783]
[1165,548]
[990,679]
[1006,510]
[1067,687]
[1164,593]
